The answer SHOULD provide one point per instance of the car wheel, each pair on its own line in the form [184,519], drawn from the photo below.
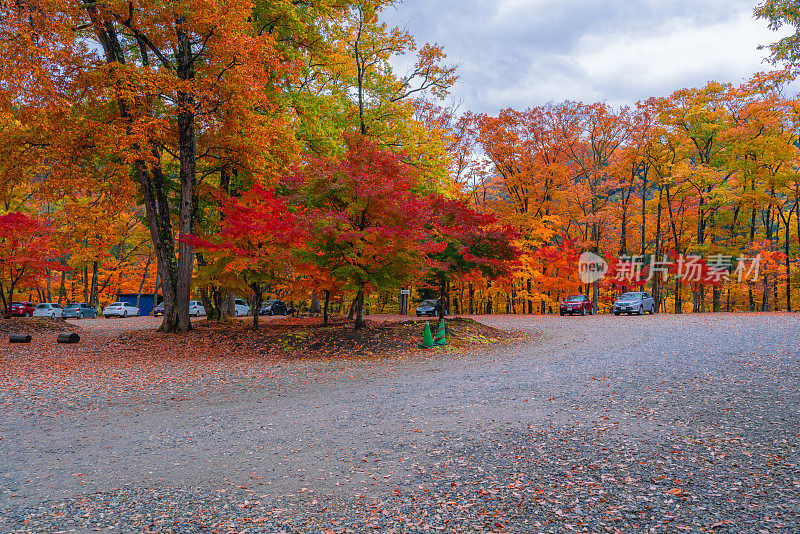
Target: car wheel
[591,311]
[125,313]
[236,313]
[616,313]
[652,309]
[583,312]
[562,314]
[641,311]
[80,315]
[28,314]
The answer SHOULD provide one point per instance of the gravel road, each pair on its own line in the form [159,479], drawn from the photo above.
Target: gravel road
[601,424]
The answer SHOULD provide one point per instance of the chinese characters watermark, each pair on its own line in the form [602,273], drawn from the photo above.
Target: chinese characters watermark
[690,268]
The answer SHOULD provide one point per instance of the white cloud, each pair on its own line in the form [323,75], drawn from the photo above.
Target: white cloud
[521,53]
[674,57]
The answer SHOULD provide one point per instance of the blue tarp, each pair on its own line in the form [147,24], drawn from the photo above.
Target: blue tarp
[146,303]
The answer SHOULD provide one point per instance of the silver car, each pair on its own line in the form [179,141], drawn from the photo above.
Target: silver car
[48,309]
[636,302]
[79,310]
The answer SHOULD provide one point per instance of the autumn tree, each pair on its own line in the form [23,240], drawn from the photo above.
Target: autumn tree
[26,253]
[367,223]
[153,88]
[468,242]
[254,246]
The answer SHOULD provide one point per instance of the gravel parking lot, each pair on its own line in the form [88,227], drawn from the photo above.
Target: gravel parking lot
[603,424]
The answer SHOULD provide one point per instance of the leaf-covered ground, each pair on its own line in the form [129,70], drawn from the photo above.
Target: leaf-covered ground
[35,325]
[293,338]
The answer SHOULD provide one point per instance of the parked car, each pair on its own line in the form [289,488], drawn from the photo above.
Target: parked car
[196,308]
[429,308]
[22,309]
[48,309]
[120,309]
[158,310]
[576,304]
[636,302]
[273,307]
[240,307]
[79,310]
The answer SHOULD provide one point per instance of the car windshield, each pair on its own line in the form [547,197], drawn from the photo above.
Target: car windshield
[431,302]
[576,298]
[629,296]
[72,306]
[41,306]
[116,304]
[269,303]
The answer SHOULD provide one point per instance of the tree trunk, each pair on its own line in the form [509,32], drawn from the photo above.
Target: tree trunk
[471,299]
[258,296]
[359,302]
[49,283]
[94,298]
[529,300]
[765,304]
[62,290]
[728,299]
[678,299]
[716,293]
[442,304]
[86,285]
[186,141]
[325,309]
[788,278]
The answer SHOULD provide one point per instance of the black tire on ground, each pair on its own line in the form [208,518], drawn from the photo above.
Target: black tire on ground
[28,314]
[562,313]
[583,312]
[125,313]
[616,313]
[80,315]
[641,311]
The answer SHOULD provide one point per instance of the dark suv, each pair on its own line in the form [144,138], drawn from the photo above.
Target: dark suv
[430,308]
[273,307]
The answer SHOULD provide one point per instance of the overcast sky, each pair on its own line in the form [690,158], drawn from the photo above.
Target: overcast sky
[523,53]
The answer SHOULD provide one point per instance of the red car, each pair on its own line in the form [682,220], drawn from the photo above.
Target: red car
[576,304]
[22,309]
